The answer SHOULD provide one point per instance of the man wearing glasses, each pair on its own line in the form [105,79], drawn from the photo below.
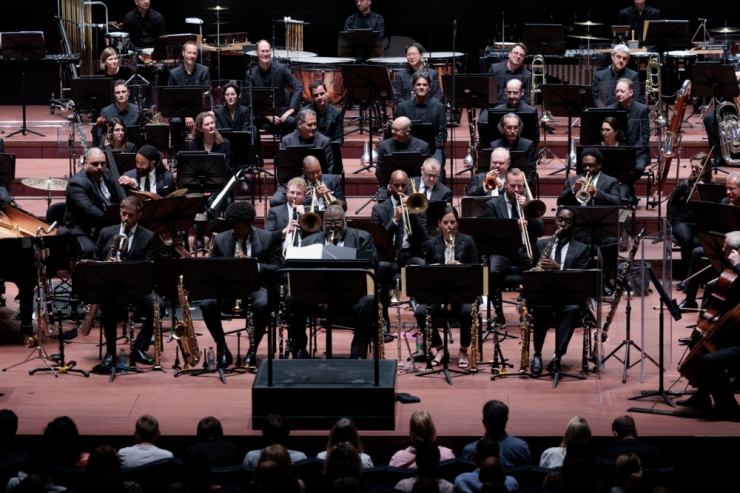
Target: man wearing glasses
[500,161]
[428,183]
[89,192]
[605,80]
[513,68]
[510,126]
[402,87]
[514,94]
[401,141]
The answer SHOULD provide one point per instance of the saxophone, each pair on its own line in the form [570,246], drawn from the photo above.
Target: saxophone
[525,321]
[157,330]
[44,313]
[449,247]
[237,309]
[184,333]
[381,324]
[474,342]
[250,333]
[77,122]
[120,243]
[547,252]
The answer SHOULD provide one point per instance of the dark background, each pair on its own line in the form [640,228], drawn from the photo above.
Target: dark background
[429,22]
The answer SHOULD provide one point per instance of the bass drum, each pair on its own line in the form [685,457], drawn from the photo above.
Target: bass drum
[677,67]
[327,70]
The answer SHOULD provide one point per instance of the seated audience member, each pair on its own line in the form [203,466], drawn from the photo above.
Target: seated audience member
[275,430]
[578,472]
[513,451]
[577,429]
[144,452]
[492,473]
[342,461]
[628,474]
[8,430]
[470,482]
[197,471]
[103,473]
[344,430]
[345,485]
[210,434]
[279,454]
[421,429]
[270,477]
[625,434]
[427,458]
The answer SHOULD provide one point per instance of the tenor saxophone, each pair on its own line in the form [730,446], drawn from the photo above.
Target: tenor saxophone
[157,330]
[239,254]
[525,320]
[474,342]
[184,332]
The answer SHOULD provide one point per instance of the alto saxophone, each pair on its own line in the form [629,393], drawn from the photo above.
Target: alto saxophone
[547,252]
[184,332]
[157,330]
[120,243]
[239,254]
[474,342]
[381,324]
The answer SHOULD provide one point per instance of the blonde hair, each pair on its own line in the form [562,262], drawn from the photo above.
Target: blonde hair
[577,430]
[106,54]
[421,427]
[198,133]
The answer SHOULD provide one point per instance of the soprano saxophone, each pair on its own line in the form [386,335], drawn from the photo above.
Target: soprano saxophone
[381,324]
[157,330]
[474,341]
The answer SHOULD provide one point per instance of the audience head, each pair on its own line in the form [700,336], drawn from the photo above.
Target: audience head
[279,454]
[425,485]
[196,470]
[8,425]
[275,429]
[62,442]
[577,430]
[344,430]
[345,485]
[492,471]
[147,429]
[495,417]
[271,478]
[209,428]
[342,461]
[421,427]
[103,466]
[627,464]
[427,459]
[624,427]
[485,448]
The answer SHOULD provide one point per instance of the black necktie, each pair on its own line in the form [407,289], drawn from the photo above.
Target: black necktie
[124,253]
[559,251]
[514,210]
[146,183]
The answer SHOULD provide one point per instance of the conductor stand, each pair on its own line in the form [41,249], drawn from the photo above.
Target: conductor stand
[443,285]
[26,46]
[665,301]
[557,289]
[115,284]
[224,279]
[570,101]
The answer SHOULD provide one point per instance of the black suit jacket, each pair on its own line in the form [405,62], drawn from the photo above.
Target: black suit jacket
[278,75]
[143,244]
[165,182]
[529,149]
[265,248]
[439,191]
[223,148]
[402,90]
[390,146]
[319,141]
[354,238]
[201,76]
[85,204]
[577,256]
[604,86]
[476,186]
[636,21]
[331,123]
[435,115]
[465,250]
[497,208]
[523,108]
[638,132]
[240,122]
[383,214]
[331,182]
[607,192]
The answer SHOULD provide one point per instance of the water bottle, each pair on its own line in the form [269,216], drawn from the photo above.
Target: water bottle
[122,360]
[211,356]
[419,342]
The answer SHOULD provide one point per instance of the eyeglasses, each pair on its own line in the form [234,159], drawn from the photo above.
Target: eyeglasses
[731,189]
[334,223]
[517,54]
[429,175]
[95,164]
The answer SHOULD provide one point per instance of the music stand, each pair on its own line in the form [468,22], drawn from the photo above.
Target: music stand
[666,35]
[125,161]
[222,279]
[180,102]
[432,214]
[262,101]
[619,162]
[473,206]
[544,39]
[558,288]
[596,221]
[410,162]
[424,131]
[443,285]
[723,217]
[529,120]
[7,170]
[91,94]
[381,238]
[243,153]
[289,161]
[202,172]
[570,101]
[359,44]
[116,283]
[481,87]
[156,135]
[371,86]
[711,192]
[591,121]
[26,46]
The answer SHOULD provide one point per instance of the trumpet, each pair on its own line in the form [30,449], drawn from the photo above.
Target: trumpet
[582,195]
[328,197]
[310,221]
[490,182]
[416,203]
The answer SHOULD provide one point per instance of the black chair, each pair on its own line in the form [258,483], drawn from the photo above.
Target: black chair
[309,471]
[231,476]
[69,477]
[10,468]
[156,476]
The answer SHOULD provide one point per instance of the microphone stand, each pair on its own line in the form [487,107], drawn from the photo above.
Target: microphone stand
[452,108]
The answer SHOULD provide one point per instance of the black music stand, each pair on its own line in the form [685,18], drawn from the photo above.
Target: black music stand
[711,192]
[596,221]
[443,285]
[265,101]
[359,44]
[202,172]
[591,121]
[667,35]
[26,46]
[410,162]
[723,217]
[424,131]
[570,101]
[156,135]
[243,152]
[180,102]
[619,162]
[559,288]
[371,86]
[91,94]
[289,161]
[473,206]
[7,170]
[222,279]
[381,238]
[544,39]
[125,161]
[713,244]
[116,283]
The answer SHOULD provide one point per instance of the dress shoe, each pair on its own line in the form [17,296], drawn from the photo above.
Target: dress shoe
[688,305]
[140,357]
[301,354]
[387,338]
[70,334]
[224,359]
[607,291]
[680,286]
[108,361]
[554,365]
[684,340]
[697,401]
[537,364]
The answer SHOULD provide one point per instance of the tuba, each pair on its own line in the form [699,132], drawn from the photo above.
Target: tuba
[729,132]
[184,332]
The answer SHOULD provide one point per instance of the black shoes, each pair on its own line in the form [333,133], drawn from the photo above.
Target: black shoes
[554,365]
[70,334]
[697,401]
[680,286]
[301,354]
[607,290]
[224,359]
[140,357]
[537,365]
[687,305]
[108,362]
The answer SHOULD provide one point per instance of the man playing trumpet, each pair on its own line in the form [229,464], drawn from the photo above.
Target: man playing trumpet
[323,183]
[491,184]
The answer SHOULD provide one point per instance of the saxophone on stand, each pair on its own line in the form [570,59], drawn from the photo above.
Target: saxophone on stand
[184,332]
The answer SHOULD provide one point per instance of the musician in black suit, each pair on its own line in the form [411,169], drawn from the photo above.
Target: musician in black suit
[511,127]
[323,185]
[365,18]
[127,112]
[605,80]
[638,125]
[89,192]
[150,175]
[513,68]
[425,110]
[188,74]
[207,138]
[500,161]
[403,86]
[306,135]
[401,141]
[514,93]
[269,73]
[144,24]
[329,120]
[509,206]
[235,117]
[255,243]
[284,218]
[463,251]
[365,311]
[636,16]
[566,253]
[428,183]
[140,245]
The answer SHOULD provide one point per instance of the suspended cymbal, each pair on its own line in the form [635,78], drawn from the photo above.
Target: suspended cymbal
[52,184]
[588,23]
[218,7]
[725,30]
[587,36]
[220,22]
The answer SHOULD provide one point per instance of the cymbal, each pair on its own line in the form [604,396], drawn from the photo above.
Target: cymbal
[220,22]
[50,184]
[725,30]
[588,23]
[587,36]
[218,7]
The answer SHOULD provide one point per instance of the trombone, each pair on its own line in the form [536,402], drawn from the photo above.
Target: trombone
[310,221]
[416,203]
[533,209]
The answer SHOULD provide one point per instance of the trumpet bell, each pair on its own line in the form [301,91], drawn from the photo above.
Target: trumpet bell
[310,222]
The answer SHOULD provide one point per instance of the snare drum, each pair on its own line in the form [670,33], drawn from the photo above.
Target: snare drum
[677,67]
[119,41]
[325,69]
